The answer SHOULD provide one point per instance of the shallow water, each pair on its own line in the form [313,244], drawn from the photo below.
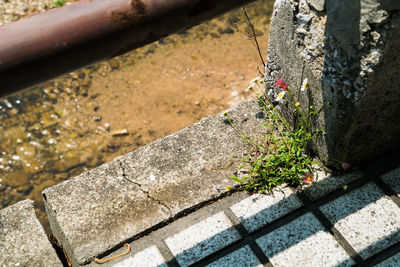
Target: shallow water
[78,121]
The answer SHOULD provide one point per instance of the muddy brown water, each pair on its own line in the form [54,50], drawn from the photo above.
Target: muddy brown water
[78,121]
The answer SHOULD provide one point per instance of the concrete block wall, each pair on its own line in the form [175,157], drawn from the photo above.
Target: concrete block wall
[349,51]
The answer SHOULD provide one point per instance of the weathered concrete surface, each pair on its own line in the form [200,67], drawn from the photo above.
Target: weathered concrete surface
[23,241]
[95,211]
[101,209]
[348,50]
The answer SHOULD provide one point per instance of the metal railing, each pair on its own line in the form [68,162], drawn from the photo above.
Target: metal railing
[44,46]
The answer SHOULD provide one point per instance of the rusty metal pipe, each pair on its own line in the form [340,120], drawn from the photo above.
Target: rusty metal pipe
[44,46]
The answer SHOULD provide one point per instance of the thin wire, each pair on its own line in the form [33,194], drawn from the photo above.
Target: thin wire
[117,256]
[66,257]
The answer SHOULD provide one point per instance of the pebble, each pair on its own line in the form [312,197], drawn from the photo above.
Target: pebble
[303,6]
[8,104]
[374,57]
[121,132]
[317,4]
[375,36]
[303,19]
[100,129]
[97,118]
[301,30]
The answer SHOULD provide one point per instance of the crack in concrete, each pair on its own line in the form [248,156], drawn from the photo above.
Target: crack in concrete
[160,203]
[146,192]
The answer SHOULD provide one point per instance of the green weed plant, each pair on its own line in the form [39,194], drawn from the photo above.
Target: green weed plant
[59,3]
[284,156]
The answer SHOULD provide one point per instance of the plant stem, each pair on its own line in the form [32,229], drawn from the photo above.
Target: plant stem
[293,104]
[237,130]
[254,35]
[281,118]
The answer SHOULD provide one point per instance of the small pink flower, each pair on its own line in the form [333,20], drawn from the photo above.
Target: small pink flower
[345,166]
[308,178]
[279,82]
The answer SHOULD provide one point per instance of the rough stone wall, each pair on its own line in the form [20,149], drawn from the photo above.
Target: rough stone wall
[349,51]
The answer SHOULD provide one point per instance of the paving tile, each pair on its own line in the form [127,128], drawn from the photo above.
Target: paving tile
[328,183]
[259,210]
[368,219]
[391,262]
[392,179]
[202,239]
[303,242]
[243,257]
[148,257]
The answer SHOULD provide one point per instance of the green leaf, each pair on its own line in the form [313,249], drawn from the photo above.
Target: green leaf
[236,179]
[59,3]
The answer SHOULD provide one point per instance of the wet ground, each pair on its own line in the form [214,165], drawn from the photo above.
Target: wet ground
[76,122]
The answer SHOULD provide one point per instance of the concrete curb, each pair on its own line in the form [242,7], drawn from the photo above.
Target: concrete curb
[23,241]
[97,211]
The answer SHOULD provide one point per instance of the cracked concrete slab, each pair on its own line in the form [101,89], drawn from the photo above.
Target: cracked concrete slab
[199,155]
[94,212]
[98,211]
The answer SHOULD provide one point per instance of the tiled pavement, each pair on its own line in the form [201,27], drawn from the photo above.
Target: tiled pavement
[324,225]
